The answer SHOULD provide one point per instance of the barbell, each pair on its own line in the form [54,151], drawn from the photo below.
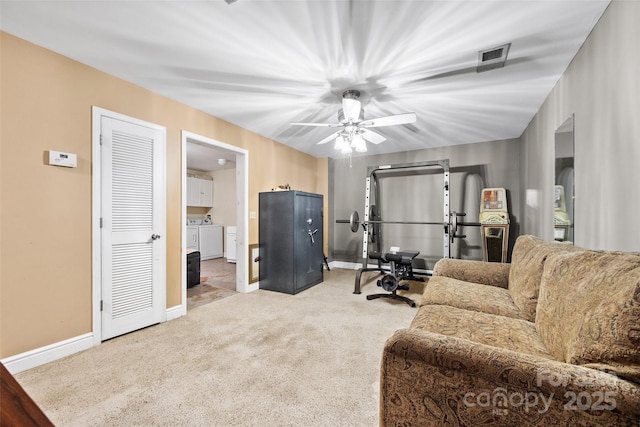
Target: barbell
[452,226]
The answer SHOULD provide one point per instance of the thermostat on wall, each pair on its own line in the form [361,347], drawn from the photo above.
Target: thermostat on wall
[57,158]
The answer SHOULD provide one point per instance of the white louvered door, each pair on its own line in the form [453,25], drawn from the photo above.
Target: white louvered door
[133,226]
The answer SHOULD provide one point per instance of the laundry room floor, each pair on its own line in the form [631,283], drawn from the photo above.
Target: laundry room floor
[217,280]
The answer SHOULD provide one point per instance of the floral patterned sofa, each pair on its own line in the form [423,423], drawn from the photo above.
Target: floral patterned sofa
[551,339]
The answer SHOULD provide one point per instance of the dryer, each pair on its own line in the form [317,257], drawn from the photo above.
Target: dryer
[210,241]
[204,237]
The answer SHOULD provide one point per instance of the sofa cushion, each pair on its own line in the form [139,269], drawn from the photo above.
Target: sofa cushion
[441,290]
[527,261]
[487,273]
[489,329]
[589,310]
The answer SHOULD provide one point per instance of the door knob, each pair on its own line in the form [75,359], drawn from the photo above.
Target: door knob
[155,236]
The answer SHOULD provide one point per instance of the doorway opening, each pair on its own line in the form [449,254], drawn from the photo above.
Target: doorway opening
[217,228]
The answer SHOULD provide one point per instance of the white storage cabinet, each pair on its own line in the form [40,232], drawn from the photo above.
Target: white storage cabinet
[230,243]
[199,192]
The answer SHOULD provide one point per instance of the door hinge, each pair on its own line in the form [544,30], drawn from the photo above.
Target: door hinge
[100,222]
[101,305]
[100,139]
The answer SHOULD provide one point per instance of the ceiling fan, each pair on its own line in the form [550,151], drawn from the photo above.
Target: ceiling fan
[355,130]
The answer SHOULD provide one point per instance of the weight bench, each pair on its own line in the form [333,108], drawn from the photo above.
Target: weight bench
[400,265]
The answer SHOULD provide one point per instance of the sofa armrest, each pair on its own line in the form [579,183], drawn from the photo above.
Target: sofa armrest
[486,273]
[433,379]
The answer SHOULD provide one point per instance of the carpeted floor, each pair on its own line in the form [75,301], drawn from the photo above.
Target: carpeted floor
[257,359]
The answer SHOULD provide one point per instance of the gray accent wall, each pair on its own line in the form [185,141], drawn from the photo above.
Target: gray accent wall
[419,196]
[602,88]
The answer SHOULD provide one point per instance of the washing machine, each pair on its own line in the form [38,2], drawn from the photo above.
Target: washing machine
[192,237]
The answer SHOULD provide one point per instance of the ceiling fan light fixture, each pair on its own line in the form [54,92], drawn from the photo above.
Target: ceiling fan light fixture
[355,133]
[359,144]
[350,130]
[346,149]
[346,145]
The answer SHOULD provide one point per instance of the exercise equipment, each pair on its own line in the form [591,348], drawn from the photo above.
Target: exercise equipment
[561,220]
[400,269]
[453,224]
[371,224]
[494,220]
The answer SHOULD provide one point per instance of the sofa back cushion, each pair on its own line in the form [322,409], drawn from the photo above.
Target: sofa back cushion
[527,261]
[589,310]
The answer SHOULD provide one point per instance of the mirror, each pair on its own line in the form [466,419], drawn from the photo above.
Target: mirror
[563,216]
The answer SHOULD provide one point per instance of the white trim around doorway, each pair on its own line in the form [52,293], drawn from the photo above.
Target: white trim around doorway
[242,211]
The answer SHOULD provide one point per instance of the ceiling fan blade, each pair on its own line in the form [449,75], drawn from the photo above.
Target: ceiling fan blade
[372,136]
[327,125]
[330,138]
[398,119]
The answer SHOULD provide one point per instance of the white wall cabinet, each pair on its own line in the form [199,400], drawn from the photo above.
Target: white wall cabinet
[199,192]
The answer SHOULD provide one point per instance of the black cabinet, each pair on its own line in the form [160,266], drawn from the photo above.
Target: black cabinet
[290,229]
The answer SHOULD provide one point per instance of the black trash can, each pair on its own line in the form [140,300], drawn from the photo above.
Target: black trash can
[193,268]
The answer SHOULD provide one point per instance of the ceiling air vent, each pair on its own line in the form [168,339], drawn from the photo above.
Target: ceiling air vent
[493,58]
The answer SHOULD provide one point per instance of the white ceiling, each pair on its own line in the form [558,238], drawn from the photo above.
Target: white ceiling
[205,157]
[262,64]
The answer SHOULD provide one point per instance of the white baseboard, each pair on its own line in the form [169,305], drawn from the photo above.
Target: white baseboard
[350,265]
[345,265]
[49,353]
[176,311]
[252,287]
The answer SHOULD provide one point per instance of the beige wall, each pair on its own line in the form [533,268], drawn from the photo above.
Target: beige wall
[602,88]
[224,197]
[45,211]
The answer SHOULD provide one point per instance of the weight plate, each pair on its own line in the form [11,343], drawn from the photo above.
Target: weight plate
[373,213]
[389,283]
[354,221]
